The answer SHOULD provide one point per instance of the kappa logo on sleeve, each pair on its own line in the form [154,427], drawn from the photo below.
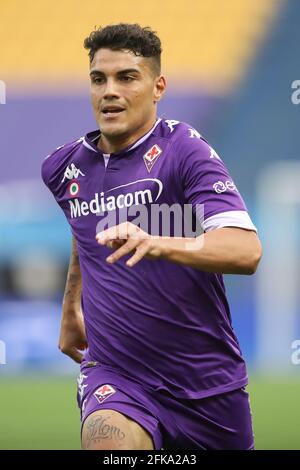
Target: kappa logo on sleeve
[194,134]
[213,154]
[104,392]
[151,156]
[71,172]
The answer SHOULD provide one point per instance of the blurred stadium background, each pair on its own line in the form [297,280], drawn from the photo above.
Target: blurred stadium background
[231,66]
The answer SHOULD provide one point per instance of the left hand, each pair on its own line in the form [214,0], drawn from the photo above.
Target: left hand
[128,237]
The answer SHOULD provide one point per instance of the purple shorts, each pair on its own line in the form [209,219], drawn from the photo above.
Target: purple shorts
[218,422]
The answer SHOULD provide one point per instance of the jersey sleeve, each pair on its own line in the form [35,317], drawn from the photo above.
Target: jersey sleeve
[54,164]
[46,170]
[208,186]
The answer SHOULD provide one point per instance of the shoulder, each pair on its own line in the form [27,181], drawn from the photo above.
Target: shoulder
[190,150]
[184,138]
[56,161]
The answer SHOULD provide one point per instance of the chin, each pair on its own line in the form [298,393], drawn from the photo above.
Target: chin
[112,130]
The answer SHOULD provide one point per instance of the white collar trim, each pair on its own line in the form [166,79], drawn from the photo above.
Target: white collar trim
[139,142]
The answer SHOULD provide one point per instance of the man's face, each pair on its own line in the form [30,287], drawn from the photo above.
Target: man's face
[124,92]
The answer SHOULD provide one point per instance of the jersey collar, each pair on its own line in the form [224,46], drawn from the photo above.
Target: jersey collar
[92,137]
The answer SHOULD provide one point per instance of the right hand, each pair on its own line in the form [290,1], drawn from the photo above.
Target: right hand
[72,337]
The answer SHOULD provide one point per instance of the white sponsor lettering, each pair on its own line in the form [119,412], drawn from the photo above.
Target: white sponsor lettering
[221,187]
[102,203]
[230,185]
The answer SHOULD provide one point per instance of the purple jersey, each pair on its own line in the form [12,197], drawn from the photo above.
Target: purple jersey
[165,325]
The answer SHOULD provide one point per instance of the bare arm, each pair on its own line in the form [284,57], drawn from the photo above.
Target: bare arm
[72,332]
[72,295]
[227,250]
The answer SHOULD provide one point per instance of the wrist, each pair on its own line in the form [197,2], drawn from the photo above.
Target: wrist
[71,310]
[161,247]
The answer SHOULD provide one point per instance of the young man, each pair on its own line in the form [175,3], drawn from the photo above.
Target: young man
[163,368]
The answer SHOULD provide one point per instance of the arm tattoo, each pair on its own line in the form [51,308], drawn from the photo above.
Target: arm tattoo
[73,284]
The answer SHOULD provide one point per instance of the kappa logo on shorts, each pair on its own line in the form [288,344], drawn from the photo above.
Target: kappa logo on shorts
[151,156]
[81,385]
[103,392]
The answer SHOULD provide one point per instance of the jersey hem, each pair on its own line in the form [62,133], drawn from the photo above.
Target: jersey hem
[211,392]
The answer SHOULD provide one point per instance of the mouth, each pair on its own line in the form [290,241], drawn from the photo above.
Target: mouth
[111,111]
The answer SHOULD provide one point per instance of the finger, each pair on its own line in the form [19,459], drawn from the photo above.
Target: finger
[112,233]
[119,232]
[107,235]
[139,254]
[82,346]
[130,245]
[115,244]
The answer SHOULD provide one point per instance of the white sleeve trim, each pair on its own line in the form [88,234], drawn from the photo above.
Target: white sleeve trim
[239,219]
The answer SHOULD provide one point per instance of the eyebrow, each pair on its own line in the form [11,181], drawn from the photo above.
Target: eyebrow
[120,72]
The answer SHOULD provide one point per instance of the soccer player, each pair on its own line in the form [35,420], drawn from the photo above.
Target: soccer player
[162,368]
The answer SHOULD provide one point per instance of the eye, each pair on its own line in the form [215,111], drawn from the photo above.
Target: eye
[126,78]
[97,80]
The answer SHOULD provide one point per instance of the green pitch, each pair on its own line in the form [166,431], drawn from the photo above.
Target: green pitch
[41,413]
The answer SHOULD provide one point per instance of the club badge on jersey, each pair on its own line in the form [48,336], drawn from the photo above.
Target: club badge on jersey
[151,156]
[104,392]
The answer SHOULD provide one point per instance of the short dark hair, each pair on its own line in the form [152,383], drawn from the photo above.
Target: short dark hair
[123,36]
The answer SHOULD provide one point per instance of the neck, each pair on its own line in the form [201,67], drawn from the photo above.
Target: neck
[118,143]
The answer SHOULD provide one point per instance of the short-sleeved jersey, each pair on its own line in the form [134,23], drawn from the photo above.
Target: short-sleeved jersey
[165,325]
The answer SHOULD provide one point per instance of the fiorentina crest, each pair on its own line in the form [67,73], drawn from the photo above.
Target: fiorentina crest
[151,156]
[104,392]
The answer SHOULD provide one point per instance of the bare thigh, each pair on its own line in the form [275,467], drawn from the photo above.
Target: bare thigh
[110,430]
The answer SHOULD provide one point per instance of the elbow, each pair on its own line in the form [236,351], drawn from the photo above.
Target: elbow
[253,259]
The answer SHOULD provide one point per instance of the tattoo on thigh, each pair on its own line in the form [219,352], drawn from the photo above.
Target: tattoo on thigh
[98,428]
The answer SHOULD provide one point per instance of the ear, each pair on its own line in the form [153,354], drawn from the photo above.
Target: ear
[160,86]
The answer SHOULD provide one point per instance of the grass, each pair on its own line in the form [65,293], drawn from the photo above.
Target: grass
[276,412]
[41,413]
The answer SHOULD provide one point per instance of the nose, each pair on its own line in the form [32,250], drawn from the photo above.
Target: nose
[111,90]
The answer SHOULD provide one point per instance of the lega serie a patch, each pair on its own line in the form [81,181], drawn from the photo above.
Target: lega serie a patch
[104,392]
[151,156]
